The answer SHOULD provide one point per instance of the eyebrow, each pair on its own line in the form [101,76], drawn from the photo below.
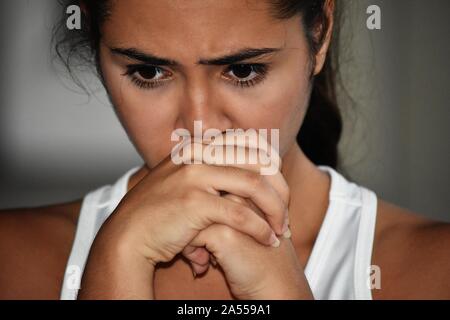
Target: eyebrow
[239,56]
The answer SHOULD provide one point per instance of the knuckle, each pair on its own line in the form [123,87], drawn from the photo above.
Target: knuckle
[238,215]
[255,179]
[282,207]
[190,172]
[190,197]
[226,234]
[262,227]
[286,194]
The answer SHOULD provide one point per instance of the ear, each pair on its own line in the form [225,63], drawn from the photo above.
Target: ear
[321,55]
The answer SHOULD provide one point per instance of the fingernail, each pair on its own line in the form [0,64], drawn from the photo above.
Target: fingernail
[285,224]
[274,241]
[287,234]
[194,273]
[285,227]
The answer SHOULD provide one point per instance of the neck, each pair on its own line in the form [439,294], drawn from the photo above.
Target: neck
[309,190]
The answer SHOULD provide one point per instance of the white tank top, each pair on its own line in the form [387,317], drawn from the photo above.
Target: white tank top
[339,264]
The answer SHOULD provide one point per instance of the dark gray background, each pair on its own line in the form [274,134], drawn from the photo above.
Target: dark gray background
[56,145]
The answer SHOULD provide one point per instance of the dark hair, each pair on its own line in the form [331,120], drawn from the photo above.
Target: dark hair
[322,127]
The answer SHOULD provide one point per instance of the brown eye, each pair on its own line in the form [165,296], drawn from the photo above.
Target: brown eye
[148,72]
[242,71]
[147,76]
[246,75]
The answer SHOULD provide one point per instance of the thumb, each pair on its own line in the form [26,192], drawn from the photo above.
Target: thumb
[198,258]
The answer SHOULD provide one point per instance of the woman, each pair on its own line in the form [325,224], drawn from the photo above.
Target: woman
[304,232]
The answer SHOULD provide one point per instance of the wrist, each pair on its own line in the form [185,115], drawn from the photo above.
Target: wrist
[299,291]
[287,283]
[125,239]
[115,270]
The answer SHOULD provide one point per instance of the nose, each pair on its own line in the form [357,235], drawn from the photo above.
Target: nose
[199,101]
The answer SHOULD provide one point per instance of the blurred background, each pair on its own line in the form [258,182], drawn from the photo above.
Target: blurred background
[56,144]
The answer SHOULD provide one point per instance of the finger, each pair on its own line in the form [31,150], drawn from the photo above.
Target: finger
[277,180]
[251,139]
[246,158]
[205,238]
[245,202]
[197,255]
[213,260]
[198,258]
[222,242]
[238,216]
[244,155]
[256,152]
[245,184]
[199,269]
[278,219]
[252,206]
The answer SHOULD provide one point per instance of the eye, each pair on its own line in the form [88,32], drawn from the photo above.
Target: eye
[146,76]
[246,75]
[148,73]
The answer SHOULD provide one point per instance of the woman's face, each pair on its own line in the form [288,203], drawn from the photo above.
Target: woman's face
[228,63]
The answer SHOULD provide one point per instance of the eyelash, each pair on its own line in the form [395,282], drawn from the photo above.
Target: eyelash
[143,84]
[259,69]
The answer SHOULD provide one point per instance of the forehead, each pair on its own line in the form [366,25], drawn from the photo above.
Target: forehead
[196,27]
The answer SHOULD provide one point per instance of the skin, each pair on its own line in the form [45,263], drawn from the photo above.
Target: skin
[411,250]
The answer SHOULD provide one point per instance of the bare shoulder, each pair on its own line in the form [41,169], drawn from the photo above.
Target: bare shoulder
[34,245]
[413,254]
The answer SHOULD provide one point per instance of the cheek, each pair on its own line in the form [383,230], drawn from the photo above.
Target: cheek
[145,116]
[296,100]
[280,103]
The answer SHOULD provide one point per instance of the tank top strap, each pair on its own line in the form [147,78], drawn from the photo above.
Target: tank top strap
[341,256]
[96,207]
[364,248]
